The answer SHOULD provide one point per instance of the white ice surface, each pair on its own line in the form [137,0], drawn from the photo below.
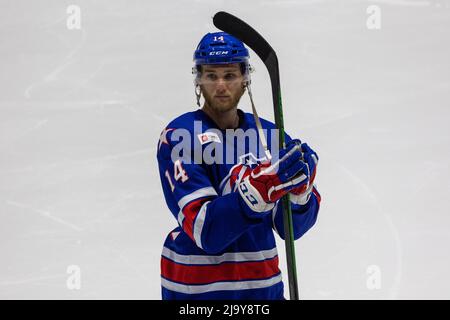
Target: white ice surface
[81,112]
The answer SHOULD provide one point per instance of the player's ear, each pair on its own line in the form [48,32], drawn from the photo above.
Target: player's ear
[198,93]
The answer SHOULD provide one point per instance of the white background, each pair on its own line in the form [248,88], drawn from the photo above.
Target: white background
[81,112]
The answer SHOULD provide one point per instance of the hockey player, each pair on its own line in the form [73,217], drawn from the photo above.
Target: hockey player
[224,189]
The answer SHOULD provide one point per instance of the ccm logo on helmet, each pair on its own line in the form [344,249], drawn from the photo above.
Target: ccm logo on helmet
[217,53]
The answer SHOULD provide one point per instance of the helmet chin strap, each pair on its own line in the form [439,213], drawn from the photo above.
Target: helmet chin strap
[262,137]
[198,94]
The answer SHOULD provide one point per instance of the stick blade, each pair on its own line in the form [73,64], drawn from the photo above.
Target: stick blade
[241,30]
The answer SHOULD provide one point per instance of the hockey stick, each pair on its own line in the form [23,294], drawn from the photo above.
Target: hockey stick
[241,30]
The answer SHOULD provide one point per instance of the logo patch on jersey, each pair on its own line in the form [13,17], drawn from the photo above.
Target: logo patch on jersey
[163,137]
[208,137]
[250,160]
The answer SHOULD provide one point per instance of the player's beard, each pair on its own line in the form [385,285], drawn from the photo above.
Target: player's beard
[225,105]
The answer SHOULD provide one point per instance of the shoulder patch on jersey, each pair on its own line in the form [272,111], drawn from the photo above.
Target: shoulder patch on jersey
[250,160]
[206,137]
[163,137]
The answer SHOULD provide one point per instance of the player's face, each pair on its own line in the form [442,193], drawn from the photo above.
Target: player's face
[222,86]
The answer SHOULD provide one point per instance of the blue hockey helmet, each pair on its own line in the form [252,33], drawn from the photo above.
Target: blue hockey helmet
[220,48]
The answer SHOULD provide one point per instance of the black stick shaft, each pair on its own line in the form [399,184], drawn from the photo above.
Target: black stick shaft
[261,47]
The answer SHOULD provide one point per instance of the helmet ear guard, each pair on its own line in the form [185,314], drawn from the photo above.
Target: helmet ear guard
[247,78]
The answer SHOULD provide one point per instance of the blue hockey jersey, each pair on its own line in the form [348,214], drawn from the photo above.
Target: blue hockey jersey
[218,251]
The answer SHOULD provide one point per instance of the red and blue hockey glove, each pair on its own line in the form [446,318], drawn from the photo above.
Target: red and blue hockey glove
[301,193]
[271,180]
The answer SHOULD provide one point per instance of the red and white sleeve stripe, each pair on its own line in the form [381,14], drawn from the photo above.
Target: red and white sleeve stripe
[192,214]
